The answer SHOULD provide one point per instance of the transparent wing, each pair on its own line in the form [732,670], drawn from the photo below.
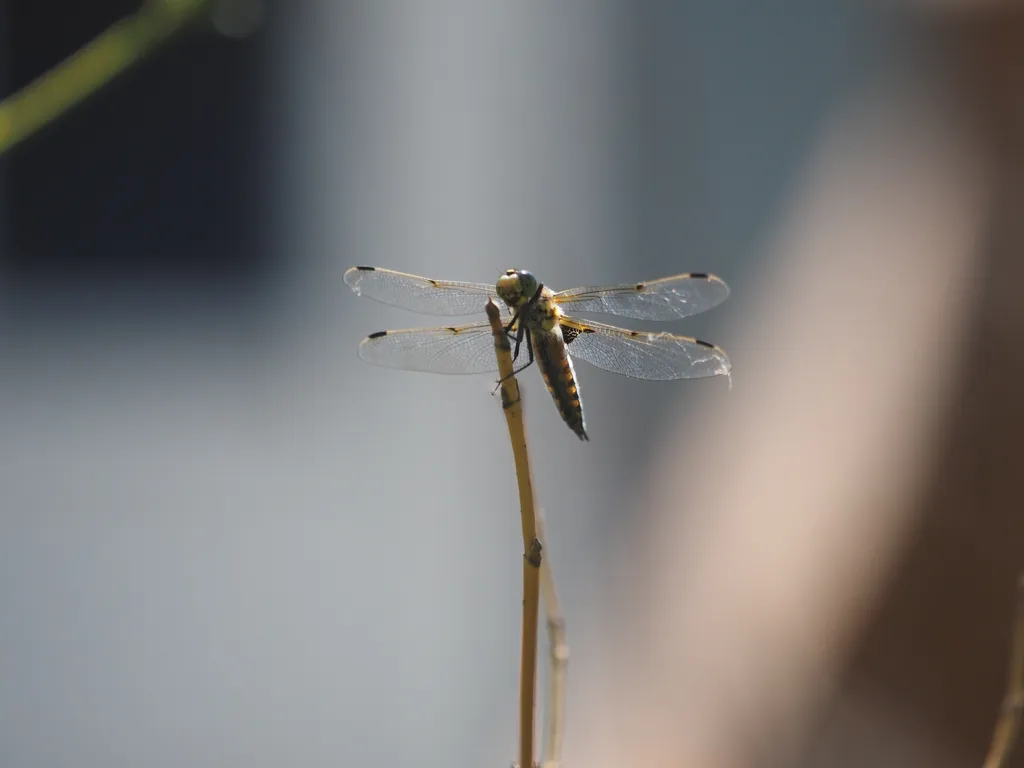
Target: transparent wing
[419,294]
[669,298]
[465,349]
[643,355]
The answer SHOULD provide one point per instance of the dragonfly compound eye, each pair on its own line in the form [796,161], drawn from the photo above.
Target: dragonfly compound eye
[527,283]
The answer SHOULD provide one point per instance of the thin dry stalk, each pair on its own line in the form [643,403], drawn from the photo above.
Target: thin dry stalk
[558,650]
[513,407]
[1008,725]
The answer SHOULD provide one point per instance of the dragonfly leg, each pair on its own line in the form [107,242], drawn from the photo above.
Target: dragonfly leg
[520,333]
[529,351]
[508,330]
[515,355]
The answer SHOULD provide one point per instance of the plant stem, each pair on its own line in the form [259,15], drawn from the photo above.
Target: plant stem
[513,407]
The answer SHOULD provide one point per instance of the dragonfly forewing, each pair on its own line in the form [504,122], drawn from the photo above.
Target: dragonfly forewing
[419,294]
[669,298]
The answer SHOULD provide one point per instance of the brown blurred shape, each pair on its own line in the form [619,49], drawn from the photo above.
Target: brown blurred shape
[828,570]
[939,641]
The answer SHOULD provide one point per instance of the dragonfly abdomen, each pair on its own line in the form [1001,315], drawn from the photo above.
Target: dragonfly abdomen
[556,368]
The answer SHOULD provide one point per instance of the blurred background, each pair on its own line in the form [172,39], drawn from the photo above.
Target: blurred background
[226,541]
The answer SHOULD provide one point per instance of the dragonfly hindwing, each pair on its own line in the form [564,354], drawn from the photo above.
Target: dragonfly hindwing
[569,333]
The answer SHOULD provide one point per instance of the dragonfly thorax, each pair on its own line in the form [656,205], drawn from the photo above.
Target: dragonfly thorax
[516,287]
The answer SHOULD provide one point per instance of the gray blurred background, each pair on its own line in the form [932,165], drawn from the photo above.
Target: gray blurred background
[226,541]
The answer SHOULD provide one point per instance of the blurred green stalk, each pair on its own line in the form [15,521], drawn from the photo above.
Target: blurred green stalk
[88,69]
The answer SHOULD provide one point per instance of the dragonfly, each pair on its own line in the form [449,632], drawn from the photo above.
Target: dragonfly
[539,319]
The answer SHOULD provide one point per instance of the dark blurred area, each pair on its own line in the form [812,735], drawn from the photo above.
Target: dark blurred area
[224,540]
[158,186]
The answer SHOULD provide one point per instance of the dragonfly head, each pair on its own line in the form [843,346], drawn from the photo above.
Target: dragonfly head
[516,287]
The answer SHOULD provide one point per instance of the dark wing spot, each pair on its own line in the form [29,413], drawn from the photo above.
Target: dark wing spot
[377,335]
[569,334]
[433,282]
[453,329]
[635,334]
[367,269]
[639,286]
[705,344]
[700,275]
